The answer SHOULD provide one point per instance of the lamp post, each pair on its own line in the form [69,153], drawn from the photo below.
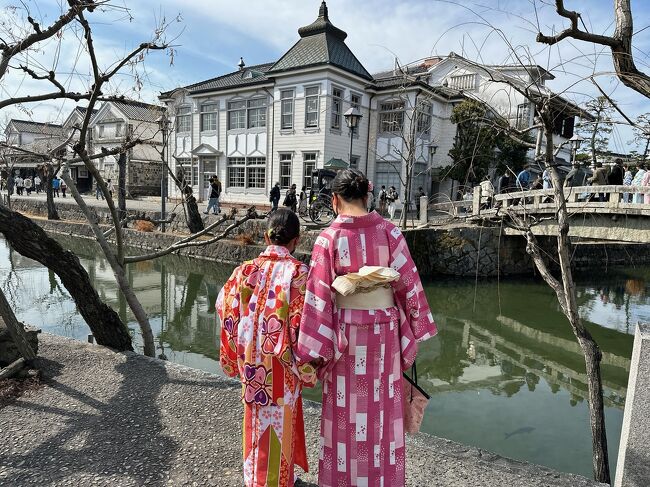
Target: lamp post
[163,124]
[433,148]
[575,142]
[352,119]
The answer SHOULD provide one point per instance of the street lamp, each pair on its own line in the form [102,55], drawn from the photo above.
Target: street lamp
[575,142]
[163,124]
[352,119]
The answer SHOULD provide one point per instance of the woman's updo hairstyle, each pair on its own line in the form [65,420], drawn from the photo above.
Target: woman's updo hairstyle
[350,184]
[283,226]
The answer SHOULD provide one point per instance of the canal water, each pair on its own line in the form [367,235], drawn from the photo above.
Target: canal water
[505,372]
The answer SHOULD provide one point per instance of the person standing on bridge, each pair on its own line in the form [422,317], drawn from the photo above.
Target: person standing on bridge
[599,178]
[646,183]
[638,182]
[523,178]
[364,339]
[627,181]
[260,308]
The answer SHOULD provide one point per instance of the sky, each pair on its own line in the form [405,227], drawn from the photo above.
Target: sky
[209,37]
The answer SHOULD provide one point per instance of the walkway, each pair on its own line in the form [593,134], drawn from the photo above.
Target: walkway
[123,419]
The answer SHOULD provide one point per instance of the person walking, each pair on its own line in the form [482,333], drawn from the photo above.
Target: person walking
[260,309]
[56,184]
[110,187]
[391,199]
[291,199]
[20,185]
[274,197]
[420,195]
[523,179]
[63,187]
[215,192]
[383,201]
[599,178]
[37,184]
[363,337]
[27,182]
[646,182]
[302,205]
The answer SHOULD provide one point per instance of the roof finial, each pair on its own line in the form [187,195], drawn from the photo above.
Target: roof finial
[322,13]
[241,63]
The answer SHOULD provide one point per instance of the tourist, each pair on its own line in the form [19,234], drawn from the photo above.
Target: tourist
[56,184]
[20,184]
[363,340]
[627,181]
[370,202]
[523,178]
[302,207]
[391,198]
[215,193]
[599,178]
[383,201]
[27,182]
[274,197]
[63,187]
[575,177]
[615,176]
[260,310]
[504,183]
[110,187]
[291,199]
[547,181]
[646,182]
[37,184]
[637,182]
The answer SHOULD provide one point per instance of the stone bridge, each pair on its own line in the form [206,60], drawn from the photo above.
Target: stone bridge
[602,213]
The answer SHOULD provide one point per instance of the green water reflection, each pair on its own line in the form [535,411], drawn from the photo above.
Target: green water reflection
[505,372]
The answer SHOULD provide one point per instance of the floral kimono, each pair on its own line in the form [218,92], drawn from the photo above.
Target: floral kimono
[260,309]
[364,352]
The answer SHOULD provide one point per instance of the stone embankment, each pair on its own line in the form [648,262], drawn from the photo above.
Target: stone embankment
[104,419]
[453,250]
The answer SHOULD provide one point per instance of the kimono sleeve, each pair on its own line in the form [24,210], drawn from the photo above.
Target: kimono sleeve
[229,313]
[416,320]
[319,337]
[306,371]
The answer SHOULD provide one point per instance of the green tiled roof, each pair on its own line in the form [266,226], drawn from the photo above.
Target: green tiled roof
[335,163]
[320,43]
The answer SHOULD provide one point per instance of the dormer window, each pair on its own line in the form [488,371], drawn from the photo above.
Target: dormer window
[119,129]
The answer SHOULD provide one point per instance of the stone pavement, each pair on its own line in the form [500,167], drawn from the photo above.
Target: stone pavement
[107,419]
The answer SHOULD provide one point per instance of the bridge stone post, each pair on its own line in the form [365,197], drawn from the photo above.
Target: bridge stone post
[476,203]
[633,467]
[424,207]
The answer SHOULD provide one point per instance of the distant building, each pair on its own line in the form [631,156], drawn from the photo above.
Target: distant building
[114,122]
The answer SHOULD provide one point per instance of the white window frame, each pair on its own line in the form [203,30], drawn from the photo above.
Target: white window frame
[238,163]
[287,106]
[258,165]
[100,131]
[354,104]
[286,166]
[307,162]
[337,107]
[424,118]
[316,111]
[259,111]
[183,116]
[240,110]
[119,129]
[388,116]
[209,114]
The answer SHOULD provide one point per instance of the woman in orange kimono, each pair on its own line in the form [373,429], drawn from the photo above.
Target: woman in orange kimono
[260,308]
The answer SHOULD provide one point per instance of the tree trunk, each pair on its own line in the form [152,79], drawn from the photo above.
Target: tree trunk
[47,174]
[192,213]
[121,187]
[568,301]
[31,241]
[16,330]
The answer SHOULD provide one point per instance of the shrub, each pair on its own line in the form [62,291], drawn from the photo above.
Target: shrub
[143,226]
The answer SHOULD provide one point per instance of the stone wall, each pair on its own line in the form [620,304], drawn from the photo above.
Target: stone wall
[144,178]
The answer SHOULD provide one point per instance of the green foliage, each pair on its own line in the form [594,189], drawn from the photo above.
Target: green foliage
[479,145]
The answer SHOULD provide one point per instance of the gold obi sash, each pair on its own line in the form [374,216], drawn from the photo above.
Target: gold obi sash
[367,289]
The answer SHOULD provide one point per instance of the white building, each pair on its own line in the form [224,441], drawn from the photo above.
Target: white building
[114,122]
[278,121]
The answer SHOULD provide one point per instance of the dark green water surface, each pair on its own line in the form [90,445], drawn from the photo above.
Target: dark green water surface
[505,372]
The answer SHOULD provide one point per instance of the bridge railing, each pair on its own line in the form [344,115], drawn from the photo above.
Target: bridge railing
[585,199]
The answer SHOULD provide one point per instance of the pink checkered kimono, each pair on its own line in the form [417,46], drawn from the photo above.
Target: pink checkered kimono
[364,353]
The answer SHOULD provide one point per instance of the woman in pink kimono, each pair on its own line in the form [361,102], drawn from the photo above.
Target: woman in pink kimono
[363,341]
[260,309]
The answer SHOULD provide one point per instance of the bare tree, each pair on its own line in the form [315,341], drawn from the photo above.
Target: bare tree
[597,132]
[620,42]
